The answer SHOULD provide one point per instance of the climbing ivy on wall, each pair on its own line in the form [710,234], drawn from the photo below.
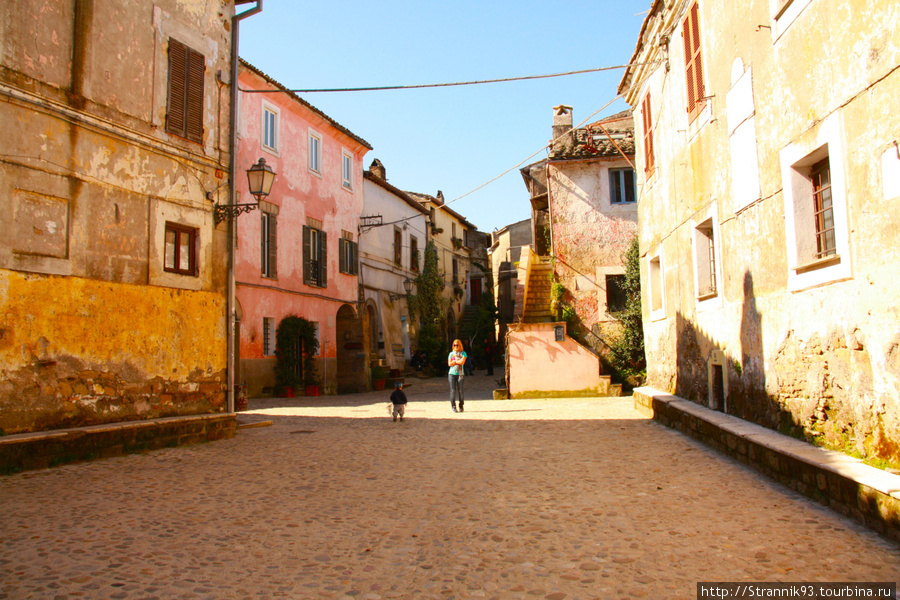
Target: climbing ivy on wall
[296,341]
[628,356]
[429,305]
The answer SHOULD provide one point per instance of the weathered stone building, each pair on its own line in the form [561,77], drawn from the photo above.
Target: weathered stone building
[506,248]
[769,178]
[584,213]
[451,233]
[393,234]
[112,275]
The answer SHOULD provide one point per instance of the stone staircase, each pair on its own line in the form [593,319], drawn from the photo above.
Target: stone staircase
[467,322]
[537,298]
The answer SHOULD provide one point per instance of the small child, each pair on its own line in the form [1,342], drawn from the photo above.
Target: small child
[398,399]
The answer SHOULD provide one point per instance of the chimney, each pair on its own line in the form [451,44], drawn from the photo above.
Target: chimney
[377,169]
[564,138]
[439,199]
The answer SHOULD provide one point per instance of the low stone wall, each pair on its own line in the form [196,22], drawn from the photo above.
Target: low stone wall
[27,451]
[843,483]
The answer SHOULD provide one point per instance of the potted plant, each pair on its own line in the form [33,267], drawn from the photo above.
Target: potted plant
[379,377]
[296,347]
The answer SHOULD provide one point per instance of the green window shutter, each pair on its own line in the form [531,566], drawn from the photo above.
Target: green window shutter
[262,242]
[273,245]
[323,260]
[307,270]
[354,258]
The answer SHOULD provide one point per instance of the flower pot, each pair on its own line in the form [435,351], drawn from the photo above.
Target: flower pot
[378,384]
[287,392]
[312,390]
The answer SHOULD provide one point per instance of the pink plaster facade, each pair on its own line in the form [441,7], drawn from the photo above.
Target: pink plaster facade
[541,367]
[301,197]
[592,219]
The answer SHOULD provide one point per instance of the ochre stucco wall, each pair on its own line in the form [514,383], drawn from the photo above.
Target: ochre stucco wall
[77,351]
[818,358]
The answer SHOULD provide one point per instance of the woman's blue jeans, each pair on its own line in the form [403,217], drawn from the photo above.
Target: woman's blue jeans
[456,390]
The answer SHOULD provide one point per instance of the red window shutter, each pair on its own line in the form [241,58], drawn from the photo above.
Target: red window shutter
[693,61]
[175,117]
[647,119]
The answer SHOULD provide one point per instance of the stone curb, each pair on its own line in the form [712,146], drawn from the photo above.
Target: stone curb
[843,483]
[39,450]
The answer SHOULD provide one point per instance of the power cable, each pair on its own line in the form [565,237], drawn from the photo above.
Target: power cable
[436,85]
[504,173]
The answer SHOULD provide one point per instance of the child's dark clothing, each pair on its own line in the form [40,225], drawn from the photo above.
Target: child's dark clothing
[398,399]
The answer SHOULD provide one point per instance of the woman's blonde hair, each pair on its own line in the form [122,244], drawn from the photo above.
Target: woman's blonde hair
[455,342]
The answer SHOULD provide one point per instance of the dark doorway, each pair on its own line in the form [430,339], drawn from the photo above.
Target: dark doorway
[718,388]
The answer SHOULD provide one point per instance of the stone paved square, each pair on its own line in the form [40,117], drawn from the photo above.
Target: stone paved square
[558,499]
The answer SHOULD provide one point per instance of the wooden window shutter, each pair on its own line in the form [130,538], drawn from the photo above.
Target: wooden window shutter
[196,70]
[273,245]
[647,119]
[354,258]
[175,117]
[307,260]
[187,68]
[693,61]
[263,229]
[323,259]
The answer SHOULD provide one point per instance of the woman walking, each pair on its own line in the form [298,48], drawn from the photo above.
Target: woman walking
[456,361]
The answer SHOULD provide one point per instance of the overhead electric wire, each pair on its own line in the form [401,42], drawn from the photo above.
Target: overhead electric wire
[436,85]
[504,173]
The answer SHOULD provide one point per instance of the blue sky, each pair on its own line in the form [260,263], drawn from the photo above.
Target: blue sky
[450,139]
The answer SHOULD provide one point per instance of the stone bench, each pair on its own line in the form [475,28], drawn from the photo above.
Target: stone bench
[841,482]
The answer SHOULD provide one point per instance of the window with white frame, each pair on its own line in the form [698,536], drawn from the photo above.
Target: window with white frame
[315,152]
[268,336]
[656,281]
[616,298]
[785,12]
[815,200]
[347,170]
[621,186]
[270,128]
[705,260]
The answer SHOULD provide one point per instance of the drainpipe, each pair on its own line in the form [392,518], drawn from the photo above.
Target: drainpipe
[232,196]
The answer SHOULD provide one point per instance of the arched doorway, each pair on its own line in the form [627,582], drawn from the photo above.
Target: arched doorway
[351,352]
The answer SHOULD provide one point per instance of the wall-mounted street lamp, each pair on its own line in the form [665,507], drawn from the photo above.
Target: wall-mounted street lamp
[261,177]
[407,285]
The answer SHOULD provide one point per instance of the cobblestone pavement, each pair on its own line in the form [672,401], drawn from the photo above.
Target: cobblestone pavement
[537,499]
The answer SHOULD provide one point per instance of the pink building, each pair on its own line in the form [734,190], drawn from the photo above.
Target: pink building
[297,255]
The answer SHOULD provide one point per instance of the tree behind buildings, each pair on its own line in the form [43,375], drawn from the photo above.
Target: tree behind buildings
[628,357]
[428,303]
